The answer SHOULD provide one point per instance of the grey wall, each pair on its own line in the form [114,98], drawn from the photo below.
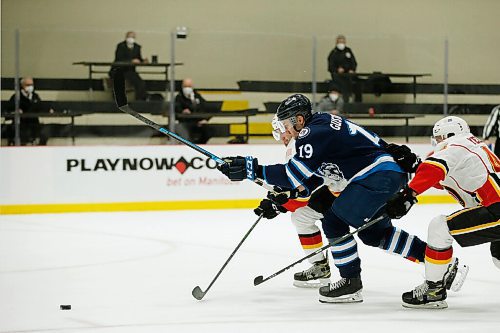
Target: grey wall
[263,40]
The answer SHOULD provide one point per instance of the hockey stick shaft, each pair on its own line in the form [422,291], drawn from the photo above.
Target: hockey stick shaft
[260,279]
[122,103]
[197,292]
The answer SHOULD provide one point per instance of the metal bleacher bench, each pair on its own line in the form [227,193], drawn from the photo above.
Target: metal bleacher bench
[72,109]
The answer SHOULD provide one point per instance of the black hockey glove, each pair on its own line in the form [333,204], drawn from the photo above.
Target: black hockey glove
[269,209]
[321,200]
[280,196]
[239,168]
[407,160]
[400,204]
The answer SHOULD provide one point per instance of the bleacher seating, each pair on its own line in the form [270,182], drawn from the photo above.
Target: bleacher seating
[259,126]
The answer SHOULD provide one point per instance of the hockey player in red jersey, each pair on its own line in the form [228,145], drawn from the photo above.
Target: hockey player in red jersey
[469,171]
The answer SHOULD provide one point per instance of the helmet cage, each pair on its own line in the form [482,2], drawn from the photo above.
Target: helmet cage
[278,128]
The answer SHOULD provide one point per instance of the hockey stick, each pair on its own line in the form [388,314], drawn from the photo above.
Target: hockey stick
[122,103]
[260,279]
[197,292]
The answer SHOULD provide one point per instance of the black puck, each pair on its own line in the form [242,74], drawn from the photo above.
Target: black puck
[65,307]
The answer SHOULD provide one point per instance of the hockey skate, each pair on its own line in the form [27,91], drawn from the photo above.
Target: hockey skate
[428,295]
[346,290]
[495,253]
[455,276]
[316,276]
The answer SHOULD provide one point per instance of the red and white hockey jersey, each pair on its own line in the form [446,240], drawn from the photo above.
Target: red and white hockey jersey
[465,167]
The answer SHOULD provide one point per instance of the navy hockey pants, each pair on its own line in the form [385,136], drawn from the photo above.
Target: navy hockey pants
[361,200]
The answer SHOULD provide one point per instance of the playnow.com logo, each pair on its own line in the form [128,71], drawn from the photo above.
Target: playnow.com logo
[138,164]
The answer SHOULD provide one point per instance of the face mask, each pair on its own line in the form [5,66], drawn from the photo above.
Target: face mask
[187,91]
[29,89]
[341,46]
[130,40]
[333,97]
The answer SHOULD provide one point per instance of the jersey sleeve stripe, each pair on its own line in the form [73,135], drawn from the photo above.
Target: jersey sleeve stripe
[302,167]
[292,178]
[438,162]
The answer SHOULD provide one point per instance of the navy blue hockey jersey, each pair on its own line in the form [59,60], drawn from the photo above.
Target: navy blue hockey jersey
[335,149]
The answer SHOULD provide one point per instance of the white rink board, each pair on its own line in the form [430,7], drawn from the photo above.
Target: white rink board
[96,174]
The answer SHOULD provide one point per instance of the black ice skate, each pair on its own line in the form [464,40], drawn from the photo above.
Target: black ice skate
[495,253]
[455,276]
[428,295]
[346,290]
[316,276]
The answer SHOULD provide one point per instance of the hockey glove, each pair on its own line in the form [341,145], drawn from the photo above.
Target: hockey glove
[321,200]
[280,196]
[407,160]
[400,204]
[238,168]
[269,209]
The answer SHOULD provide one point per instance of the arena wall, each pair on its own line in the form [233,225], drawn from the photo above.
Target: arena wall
[257,40]
[133,178]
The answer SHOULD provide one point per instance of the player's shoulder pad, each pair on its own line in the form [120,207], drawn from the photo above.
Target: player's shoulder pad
[316,128]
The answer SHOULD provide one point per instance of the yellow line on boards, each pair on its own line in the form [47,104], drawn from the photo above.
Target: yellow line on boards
[161,205]
[127,206]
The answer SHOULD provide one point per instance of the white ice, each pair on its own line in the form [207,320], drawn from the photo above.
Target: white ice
[134,272]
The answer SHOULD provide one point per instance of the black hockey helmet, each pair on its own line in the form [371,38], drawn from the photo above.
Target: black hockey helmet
[294,105]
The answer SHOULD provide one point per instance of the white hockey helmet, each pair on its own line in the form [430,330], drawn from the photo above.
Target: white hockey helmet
[450,126]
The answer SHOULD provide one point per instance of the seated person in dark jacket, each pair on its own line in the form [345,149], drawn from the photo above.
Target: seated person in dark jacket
[130,51]
[189,101]
[29,102]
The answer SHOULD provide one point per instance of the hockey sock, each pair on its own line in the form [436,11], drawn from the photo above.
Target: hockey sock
[346,259]
[399,242]
[436,263]
[311,243]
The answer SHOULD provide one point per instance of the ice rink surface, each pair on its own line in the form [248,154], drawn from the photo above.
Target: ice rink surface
[134,272]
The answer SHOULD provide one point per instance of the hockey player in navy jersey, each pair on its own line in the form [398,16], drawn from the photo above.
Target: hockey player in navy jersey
[337,150]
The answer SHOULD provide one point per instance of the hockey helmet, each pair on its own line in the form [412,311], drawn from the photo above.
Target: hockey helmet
[293,106]
[450,126]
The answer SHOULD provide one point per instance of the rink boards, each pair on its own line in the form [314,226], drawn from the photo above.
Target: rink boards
[134,178]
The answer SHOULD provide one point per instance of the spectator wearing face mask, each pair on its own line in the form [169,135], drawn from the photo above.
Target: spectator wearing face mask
[31,132]
[332,103]
[189,101]
[130,51]
[341,61]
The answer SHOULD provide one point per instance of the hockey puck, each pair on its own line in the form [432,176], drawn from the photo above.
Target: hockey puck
[65,307]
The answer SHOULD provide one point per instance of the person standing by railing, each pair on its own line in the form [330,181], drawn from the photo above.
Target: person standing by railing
[341,61]
[130,51]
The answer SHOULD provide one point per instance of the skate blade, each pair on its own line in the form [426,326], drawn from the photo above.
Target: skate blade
[351,298]
[431,305]
[462,272]
[314,284]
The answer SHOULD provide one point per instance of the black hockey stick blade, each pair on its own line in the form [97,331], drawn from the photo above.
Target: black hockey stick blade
[198,293]
[119,86]
[258,280]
